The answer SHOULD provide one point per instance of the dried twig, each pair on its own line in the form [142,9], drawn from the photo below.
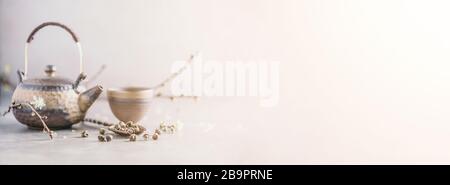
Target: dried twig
[46,129]
[18,106]
[170,97]
[13,105]
[99,122]
[96,75]
[170,78]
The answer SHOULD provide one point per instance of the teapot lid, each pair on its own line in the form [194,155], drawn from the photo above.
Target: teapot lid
[50,80]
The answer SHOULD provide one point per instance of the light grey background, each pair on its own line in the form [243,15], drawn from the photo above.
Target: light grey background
[144,37]
[360,81]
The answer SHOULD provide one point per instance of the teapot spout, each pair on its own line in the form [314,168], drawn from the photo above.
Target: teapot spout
[88,97]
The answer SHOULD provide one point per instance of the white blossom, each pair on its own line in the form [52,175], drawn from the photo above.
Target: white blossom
[38,103]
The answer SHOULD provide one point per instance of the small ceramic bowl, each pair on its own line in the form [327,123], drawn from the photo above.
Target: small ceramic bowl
[129,103]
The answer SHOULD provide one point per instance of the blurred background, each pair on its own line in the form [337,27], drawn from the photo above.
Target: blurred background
[360,81]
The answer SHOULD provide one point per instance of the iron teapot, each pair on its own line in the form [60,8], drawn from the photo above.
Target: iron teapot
[61,101]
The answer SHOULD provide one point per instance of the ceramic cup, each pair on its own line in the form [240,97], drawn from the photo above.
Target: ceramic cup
[129,103]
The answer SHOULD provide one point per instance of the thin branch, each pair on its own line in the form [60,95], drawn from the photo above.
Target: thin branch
[14,106]
[46,129]
[96,75]
[171,77]
[99,122]
[170,97]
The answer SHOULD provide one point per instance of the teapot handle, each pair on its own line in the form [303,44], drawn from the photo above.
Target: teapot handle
[31,37]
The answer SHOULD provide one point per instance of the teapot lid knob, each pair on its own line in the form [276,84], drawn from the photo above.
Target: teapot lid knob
[50,70]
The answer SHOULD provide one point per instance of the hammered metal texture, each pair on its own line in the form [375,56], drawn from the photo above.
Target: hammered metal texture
[62,109]
[48,81]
